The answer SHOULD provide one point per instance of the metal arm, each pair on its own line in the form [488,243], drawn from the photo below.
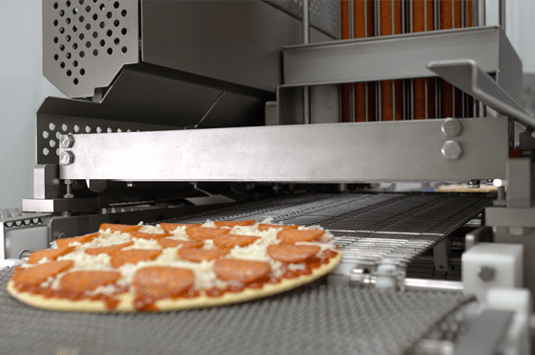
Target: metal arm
[468,76]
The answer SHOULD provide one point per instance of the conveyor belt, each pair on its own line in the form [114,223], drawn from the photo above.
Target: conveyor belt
[368,227]
[310,320]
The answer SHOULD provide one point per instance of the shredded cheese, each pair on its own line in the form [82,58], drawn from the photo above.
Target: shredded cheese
[205,277]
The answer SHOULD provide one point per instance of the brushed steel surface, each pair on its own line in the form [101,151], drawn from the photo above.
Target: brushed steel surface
[324,14]
[233,41]
[468,75]
[21,230]
[370,59]
[46,183]
[86,43]
[302,153]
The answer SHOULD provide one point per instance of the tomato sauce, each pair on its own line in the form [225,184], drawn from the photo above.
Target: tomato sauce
[310,264]
[110,300]
[147,303]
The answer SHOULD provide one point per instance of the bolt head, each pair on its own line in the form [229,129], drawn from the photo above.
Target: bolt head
[66,141]
[452,150]
[452,127]
[486,273]
[66,158]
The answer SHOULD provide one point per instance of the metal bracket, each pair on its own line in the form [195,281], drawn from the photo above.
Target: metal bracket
[85,204]
[482,234]
[485,335]
[468,76]
[440,255]
[46,183]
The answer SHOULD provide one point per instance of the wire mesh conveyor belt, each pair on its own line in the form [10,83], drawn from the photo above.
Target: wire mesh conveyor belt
[310,320]
[368,227]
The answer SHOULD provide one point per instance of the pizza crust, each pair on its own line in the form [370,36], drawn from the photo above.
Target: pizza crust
[202,301]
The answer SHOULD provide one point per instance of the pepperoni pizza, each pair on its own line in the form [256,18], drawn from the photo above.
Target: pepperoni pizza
[125,268]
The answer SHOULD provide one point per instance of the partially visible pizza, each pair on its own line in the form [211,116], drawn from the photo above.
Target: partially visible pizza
[127,268]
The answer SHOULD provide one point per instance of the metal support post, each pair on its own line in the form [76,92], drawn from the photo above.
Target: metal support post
[306,40]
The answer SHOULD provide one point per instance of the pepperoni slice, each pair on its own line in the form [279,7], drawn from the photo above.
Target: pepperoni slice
[291,253]
[64,242]
[40,273]
[266,226]
[294,235]
[163,281]
[51,254]
[229,241]
[198,255]
[171,227]
[231,224]
[80,281]
[173,243]
[203,233]
[143,235]
[133,256]
[123,228]
[244,271]
[110,249]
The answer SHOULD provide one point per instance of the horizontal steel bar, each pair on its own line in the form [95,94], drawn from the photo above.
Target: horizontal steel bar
[329,153]
[61,204]
[388,57]
[510,217]
[358,279]
[432,285]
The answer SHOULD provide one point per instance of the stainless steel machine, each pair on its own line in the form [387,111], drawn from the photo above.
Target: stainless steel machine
[299,111]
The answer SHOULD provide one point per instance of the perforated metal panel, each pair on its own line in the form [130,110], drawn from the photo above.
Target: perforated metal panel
[310,320]
[86,42]
[51,127]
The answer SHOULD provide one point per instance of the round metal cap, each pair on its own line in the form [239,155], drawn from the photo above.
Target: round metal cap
[452,127]
[66,158]
[66,141]
[451,150]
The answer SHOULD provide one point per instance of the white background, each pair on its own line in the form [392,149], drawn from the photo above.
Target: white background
[23,87]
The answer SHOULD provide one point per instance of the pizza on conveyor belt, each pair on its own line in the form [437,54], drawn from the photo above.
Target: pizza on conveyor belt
[126,268]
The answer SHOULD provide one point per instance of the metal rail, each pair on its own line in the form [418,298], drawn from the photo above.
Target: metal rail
[469,77]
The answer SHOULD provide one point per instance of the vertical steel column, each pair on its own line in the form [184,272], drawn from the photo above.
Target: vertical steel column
[418,24]
[391,90]
[378,87]
[306,40]
[482,13]
[447,22]
[362,16]
[398,84]
[351,36]
[344,34]
[370,87]
[502,14]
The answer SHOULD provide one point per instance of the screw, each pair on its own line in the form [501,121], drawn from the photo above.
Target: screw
[68,188]
[474,184]
[452,150]
[486,273]
[66,158]
[451,127]
[66,141]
